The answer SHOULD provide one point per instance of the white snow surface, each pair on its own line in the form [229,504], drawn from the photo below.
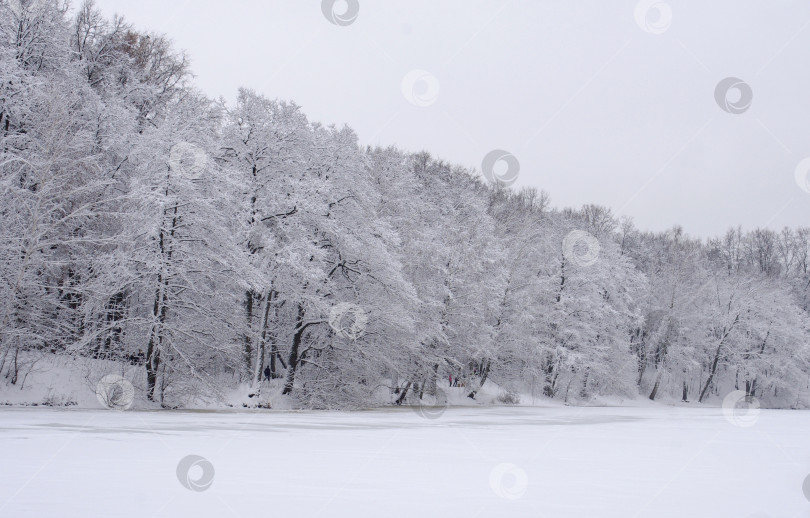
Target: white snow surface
[464,462]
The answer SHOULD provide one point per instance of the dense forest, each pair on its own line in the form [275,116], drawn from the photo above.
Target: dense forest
[205,244]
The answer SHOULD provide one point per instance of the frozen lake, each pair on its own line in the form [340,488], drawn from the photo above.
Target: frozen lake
[464,462]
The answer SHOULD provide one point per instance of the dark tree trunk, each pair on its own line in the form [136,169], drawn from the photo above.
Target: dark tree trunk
[15,369]
[275,355]
[484,375]
[247,342]
[152,350]
[655,386]
[716,360]
[712,371]
[295,358]
[750,388]
[637,340]
[114,314]
[549,379]
[159,311]
[263,340]
[292,362]
[155,341]
[403,394]
[152,365]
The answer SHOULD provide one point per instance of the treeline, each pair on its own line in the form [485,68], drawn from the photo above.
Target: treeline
[210,245]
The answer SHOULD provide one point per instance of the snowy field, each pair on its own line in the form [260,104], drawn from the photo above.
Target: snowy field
[464,462]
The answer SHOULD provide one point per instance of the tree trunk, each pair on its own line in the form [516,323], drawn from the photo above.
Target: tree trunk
[484,375]
[152,349]
[549,380]
[430,384]
[583,393]
[713,370]
[275,355]
[247,342]
[259,373]
[294,358]
[292,362]
[152,365]
[403,394]
[15,367]
[113,318]
[750,388]
[716,360]
[159,311]
[640,350]
[655,386]
[153,362]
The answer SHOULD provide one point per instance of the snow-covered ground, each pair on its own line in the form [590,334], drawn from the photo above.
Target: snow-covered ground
[463,462]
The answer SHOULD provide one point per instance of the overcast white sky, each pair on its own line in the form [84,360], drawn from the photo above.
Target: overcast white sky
[596,109]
